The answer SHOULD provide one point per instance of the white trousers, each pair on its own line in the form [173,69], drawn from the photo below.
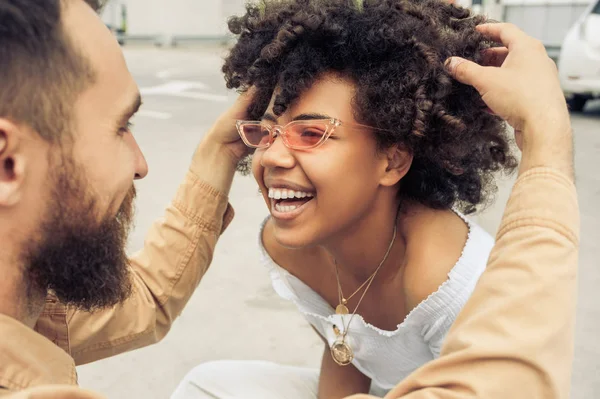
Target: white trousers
[248,380]
[229,379]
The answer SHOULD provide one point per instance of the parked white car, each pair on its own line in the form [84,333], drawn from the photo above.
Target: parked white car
[579,61]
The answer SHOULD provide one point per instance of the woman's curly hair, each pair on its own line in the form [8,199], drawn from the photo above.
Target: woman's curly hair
[394,52]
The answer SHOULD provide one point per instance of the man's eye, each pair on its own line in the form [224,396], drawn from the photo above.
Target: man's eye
[126,129]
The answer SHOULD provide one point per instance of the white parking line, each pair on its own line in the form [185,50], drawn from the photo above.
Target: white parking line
[167,73]
[174,86]
[154,114]
[183,89]
[201,96]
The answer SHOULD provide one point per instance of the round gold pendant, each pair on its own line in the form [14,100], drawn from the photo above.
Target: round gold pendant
[341,309]
[342,353]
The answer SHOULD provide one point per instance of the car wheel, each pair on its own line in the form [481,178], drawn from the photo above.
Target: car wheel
[577,102]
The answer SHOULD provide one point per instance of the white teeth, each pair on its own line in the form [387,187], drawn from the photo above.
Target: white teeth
[279,193]
[285,208]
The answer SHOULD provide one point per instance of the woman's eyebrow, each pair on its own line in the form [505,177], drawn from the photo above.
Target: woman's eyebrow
[311,116]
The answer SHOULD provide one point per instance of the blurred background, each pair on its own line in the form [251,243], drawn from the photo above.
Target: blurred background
[175,50]
[567,27]
[183,20]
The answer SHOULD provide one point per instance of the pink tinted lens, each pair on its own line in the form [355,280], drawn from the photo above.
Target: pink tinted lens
[306,134]
[256,134]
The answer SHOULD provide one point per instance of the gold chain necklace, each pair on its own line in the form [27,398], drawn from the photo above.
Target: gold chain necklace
[342,308]
[341,351]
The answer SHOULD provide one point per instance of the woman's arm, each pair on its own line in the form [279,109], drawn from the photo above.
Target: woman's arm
[336,382]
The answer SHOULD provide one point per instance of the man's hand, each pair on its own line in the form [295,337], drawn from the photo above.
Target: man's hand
[224,131]
[519,83]
[222,148]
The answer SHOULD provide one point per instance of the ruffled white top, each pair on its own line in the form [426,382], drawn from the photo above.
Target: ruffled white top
[387,357]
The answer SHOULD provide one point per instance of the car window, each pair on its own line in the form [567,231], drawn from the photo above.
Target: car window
[596,9]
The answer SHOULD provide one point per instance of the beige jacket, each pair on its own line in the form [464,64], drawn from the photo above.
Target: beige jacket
[176,254]
[513,339]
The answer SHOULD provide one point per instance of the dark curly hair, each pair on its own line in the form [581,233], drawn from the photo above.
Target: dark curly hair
[394,52]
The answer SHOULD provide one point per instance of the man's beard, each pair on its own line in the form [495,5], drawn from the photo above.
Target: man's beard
[80,259]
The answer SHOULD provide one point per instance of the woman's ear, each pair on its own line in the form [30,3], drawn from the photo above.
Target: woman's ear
[12,164]
[397,162]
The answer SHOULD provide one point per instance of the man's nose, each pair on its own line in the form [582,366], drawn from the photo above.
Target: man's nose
[141,166]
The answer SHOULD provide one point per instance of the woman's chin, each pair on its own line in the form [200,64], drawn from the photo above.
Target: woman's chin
[292,239]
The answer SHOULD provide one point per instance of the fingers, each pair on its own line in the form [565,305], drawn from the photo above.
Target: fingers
[466,71]
[246,98]
[494,56]
[507,34]
[240,107]
[249,94]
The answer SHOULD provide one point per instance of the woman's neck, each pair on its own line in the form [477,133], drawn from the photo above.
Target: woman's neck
[360,249]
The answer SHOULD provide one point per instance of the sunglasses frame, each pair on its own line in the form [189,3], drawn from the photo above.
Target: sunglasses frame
[279,130]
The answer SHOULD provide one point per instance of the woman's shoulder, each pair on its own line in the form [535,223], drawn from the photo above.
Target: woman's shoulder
[441,245]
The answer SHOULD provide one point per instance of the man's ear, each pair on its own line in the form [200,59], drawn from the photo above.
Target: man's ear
[397,162]
[12,163]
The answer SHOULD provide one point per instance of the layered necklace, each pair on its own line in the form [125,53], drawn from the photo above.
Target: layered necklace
[341,351]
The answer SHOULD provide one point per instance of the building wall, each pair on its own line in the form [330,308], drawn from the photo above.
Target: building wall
[176,18]
[547,20]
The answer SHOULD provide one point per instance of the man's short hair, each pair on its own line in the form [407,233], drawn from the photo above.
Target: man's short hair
[41,70]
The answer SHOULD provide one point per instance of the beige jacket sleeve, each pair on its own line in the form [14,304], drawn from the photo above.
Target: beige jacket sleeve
[177,252]
[514,337]
[51,392]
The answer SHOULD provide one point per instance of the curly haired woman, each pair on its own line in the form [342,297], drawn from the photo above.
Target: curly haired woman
[368,156]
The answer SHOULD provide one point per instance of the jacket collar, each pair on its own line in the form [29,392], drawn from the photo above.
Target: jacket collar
[28,359]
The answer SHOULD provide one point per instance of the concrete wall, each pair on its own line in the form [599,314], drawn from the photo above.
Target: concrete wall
[546,20]
[174,19]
